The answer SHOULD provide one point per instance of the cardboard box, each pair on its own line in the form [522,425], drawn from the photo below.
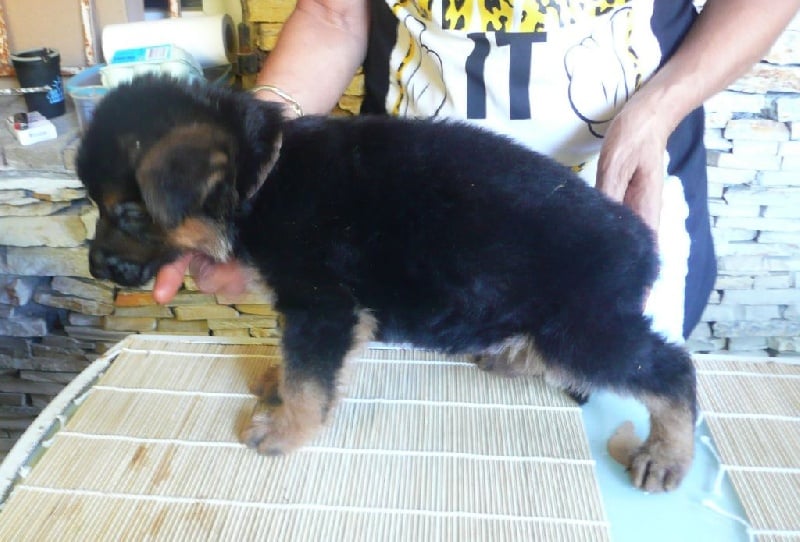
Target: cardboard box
[57,24]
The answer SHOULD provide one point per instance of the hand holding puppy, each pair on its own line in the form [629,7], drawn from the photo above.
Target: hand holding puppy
[226,278]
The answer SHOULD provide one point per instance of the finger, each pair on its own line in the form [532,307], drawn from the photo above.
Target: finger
[644,196]
[236,279]
[614,179]
[169,279]
[200,268]
[221,278]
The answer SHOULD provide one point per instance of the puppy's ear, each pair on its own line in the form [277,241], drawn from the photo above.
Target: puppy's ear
[179,172]
[263,124]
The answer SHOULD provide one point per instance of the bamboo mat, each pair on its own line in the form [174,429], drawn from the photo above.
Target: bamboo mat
[752,408]
[421,448]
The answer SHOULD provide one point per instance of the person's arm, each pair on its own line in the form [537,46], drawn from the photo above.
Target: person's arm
[321,45]
[728,37]
[319,49]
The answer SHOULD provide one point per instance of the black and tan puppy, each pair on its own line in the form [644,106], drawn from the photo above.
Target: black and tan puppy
[431,233]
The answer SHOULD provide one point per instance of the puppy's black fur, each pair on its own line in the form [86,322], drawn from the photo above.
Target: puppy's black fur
[433,233]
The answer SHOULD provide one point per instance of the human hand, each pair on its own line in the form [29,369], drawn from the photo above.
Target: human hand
[631,163]
[228,278]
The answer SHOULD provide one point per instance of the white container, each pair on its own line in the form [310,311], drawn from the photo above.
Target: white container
[164,59]
[86,90]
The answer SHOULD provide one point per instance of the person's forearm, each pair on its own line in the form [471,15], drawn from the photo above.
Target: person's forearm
[320,47]
[726,40]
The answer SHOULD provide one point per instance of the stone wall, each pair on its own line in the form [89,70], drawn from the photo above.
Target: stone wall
[753,141]
[54,319]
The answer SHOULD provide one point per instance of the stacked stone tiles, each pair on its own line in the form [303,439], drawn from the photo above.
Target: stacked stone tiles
[753,141]
[44,223]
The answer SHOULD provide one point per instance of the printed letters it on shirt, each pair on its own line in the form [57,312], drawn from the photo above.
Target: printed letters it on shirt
[598,65]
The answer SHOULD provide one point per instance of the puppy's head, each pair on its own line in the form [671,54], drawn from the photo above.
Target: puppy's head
[168,165]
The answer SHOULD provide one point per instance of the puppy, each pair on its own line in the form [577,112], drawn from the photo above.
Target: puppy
[433,233]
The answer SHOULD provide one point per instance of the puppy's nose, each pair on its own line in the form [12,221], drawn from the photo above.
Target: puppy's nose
[98,265]
[108,265]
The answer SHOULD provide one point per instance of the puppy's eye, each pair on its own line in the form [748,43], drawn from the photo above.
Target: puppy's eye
[131,217]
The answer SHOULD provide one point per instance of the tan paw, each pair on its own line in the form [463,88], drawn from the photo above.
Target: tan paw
[266,386]
[496,364]
[513,357]
[275,430]
[656,467]
[286,417]
[653,466]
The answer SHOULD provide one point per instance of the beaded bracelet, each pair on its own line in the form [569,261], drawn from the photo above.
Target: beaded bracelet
[285,96]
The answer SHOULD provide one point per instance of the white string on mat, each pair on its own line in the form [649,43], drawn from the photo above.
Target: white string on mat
[435,362]
[717,489]
[789,535]
[354,400]
[197,354]
[152,440]
[749,374]
[312,449]
[165,391]
[721,467]
[711,505]
[752,416]
[171,499]
[459,404]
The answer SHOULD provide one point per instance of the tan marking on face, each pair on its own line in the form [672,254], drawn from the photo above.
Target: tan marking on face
[214,178]
[203,139]
[218,159]
[218,170]
[202,235]
[110,200]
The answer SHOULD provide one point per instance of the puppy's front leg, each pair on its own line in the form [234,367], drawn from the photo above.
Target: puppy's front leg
[316,347]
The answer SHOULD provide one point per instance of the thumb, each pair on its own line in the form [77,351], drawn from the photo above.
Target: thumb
[169,279]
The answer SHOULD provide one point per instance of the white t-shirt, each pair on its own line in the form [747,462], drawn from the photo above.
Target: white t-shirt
[552,74]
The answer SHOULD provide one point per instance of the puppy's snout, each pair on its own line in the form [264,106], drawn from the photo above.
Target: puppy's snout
[98,264]
[106,265]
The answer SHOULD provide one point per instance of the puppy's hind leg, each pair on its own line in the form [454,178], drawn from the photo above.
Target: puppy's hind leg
[623,355]
[316,346]
[662,376]
[518,356]
[515,356]
[669,393]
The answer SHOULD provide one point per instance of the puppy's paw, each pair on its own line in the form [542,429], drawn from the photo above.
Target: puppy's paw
[656,467]
[266,386]
[496,364]
[286,415]
[513,357]
[277,430]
